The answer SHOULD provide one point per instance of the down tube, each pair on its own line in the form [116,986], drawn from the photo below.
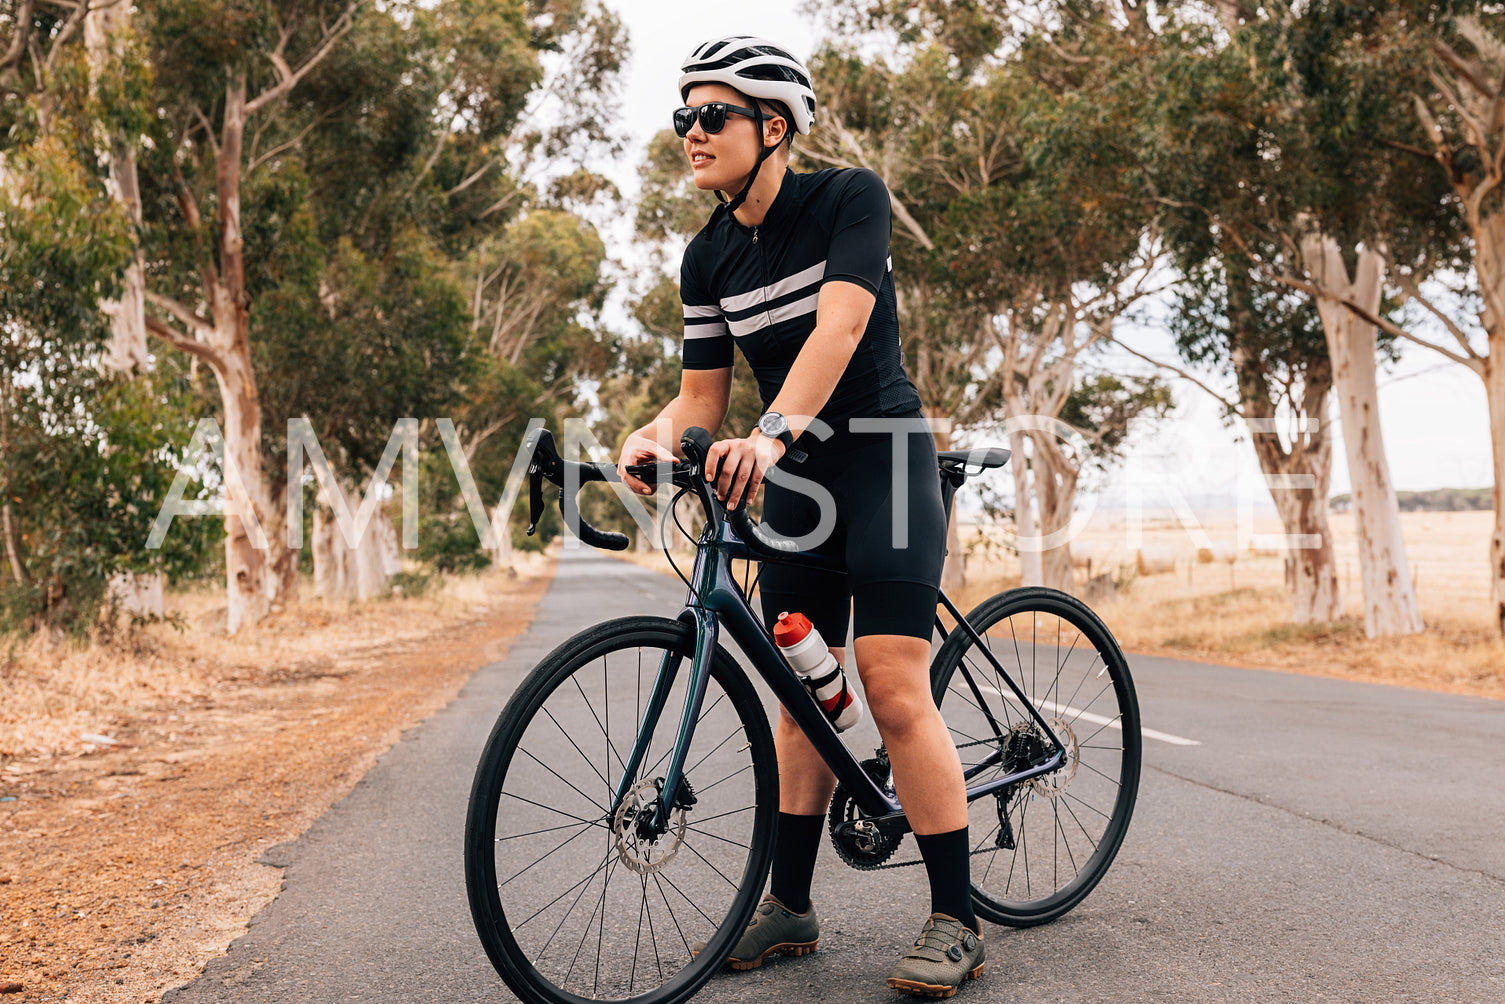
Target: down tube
[786,686]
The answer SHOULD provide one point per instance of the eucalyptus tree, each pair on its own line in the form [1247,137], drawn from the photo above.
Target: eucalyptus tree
[1266,179]
[1456,127]
[1020,234]
[82,467]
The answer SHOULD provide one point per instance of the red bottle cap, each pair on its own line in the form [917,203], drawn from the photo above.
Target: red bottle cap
[791,629]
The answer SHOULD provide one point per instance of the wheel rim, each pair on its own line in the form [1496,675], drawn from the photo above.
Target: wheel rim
[600,903]
[1039,848]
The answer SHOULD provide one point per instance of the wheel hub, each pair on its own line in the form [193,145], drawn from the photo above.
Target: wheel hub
[644,844]
[1052,784]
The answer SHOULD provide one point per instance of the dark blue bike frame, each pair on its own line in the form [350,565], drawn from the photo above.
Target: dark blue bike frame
[716,598]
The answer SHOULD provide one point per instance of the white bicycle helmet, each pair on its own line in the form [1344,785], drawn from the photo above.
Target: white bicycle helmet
[757,68]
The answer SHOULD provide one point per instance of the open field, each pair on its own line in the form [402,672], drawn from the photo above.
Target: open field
[1239,614]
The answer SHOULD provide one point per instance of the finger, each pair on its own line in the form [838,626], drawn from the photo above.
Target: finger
[739,485]
[735,469]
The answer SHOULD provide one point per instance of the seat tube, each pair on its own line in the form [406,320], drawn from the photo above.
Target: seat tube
[706,631]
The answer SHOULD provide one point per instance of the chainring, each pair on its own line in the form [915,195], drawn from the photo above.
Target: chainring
[861,844]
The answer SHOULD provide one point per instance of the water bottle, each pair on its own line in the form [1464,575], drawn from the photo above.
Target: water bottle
[812,660]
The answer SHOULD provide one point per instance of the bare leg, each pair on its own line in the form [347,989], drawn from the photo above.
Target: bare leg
[927,771]
[805,782]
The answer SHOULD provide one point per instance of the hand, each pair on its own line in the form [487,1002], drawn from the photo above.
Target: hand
[639,449]
[742,463]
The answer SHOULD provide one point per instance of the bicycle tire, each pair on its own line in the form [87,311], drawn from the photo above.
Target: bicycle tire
[557,708]
[1091,798]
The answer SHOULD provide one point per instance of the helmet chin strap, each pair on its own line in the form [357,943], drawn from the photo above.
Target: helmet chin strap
[764,152]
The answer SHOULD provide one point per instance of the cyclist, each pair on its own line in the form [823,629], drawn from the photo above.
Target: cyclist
[795,270]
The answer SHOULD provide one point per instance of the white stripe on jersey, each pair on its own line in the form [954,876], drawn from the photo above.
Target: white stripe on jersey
[709,311]
[714,330]
[788,312]
[789,284]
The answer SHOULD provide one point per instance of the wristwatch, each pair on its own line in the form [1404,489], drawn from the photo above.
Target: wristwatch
[776,426]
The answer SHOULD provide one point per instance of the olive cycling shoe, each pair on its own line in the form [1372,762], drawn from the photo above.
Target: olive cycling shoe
[774,929]
[945,954]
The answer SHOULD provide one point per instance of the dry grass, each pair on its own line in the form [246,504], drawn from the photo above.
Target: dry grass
[1240,615]
[55,693]
[126,866]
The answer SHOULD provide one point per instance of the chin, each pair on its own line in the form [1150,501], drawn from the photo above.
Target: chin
[718,179]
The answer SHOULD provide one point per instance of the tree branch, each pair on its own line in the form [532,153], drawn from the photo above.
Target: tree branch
[195,322]
[318,121]
[17,50]
[288,78]
[182,342]
[1388,326]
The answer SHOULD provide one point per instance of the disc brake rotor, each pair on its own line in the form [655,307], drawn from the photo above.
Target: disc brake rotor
[638,847]
[1052,784]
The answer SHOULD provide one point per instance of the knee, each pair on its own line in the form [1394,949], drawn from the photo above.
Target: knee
[898,711]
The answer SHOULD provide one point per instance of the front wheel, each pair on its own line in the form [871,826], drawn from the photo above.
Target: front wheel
[581,893]
[1040,846]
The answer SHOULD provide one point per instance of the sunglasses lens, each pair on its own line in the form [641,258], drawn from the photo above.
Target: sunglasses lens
[712,116]
[684,121]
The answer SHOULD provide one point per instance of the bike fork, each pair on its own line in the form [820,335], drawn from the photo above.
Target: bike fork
[706,632]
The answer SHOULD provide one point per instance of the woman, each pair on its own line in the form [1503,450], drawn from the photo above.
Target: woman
[794,269]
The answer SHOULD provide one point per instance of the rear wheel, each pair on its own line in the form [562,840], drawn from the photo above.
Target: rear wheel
[578,895]
[1040,846]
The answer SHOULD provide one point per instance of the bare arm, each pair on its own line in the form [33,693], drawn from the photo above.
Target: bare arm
[703,399]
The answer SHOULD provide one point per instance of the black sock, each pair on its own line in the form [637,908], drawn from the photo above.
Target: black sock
[948,862]
[794,851]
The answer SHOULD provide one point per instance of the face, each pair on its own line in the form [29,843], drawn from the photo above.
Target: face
[723,160]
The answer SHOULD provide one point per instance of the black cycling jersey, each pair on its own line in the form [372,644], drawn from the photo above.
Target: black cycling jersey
[758,287]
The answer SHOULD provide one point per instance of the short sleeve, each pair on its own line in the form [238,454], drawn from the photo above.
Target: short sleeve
[708,342]
[860,225]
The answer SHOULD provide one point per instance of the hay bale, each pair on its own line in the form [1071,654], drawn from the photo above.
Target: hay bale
[1155,561]
[1217,552]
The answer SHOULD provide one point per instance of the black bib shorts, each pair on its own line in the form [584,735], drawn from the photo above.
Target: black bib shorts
[893,572]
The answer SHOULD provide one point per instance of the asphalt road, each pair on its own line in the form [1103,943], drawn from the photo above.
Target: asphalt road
[1320,841]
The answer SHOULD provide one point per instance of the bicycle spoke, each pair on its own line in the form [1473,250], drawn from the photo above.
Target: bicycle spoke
[550,808]
[709,865]
[566,780]
[564,732]
[535,861]
[551,829]
[717,836]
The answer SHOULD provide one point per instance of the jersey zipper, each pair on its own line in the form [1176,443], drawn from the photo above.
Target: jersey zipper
[755,235]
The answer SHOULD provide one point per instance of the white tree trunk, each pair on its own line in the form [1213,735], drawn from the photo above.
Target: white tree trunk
[1055,480]
[1390,606]
[139,594]
[1024,513]
[106,33]
[363,572]
[1494,384]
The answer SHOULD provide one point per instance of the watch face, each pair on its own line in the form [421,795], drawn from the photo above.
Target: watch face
[772,424]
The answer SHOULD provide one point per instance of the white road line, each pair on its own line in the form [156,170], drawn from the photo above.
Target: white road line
[1112,723]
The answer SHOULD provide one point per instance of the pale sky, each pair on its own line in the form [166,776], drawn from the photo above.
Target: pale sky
[1433,412]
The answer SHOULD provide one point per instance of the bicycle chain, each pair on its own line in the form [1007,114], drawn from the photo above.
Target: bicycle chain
[920,861]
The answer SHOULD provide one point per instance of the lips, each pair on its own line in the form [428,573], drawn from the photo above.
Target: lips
[700,159]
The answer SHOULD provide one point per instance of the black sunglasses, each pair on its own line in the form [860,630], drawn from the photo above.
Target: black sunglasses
[712,117]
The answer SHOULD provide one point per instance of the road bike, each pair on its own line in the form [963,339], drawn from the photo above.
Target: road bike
[622,817]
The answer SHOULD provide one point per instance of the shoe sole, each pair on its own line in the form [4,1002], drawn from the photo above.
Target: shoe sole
[788,948]
[916,989]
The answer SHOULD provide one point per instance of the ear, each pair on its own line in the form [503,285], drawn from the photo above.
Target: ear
[775,128]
